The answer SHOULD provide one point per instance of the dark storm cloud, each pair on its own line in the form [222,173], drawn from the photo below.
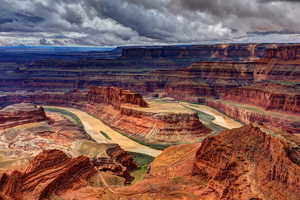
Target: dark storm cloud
[292,1]
[119,22]
[73,17]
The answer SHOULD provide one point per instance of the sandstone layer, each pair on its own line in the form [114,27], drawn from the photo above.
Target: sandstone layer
[252,114]
[49,172]
[52,173]
[19,114]
[267,95]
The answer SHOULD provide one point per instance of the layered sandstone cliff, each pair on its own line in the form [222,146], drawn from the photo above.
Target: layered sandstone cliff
[267,95]
[115,96]
[19,114]
[52,173]
[289,52]
[252,114]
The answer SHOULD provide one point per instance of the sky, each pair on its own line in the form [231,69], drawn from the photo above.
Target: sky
[147,22]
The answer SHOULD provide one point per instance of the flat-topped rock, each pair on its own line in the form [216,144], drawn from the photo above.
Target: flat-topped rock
[116,96]
[19,114]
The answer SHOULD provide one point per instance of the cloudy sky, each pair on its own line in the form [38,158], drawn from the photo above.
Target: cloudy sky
[130,22]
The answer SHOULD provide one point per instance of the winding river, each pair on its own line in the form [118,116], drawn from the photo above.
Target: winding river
[94,126]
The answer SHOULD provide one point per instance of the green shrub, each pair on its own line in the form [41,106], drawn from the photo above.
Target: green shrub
[105,135]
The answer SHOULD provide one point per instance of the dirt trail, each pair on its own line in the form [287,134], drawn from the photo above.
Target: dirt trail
[93,126]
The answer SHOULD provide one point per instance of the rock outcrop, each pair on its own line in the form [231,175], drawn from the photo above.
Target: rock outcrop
[252,114]
[115,96]
[49,172]
[53,173]
[247,164]
[118,162]
[239,164]
[267,95]
[19,114]
[290,52]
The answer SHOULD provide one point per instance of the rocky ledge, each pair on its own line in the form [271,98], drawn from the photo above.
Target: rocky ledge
[270,96]
[115,96]
[19,114]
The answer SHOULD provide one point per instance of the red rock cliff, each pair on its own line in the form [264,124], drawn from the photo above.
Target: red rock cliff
[115,96]
[290,52]
[19,114]
[269,96]
[51,171]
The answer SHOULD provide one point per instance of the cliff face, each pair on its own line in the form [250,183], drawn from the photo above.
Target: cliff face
[227,161]
[19,114]
[290,52]
[269,96]
[115,96]
[188,91]
[219,51]
[252,114]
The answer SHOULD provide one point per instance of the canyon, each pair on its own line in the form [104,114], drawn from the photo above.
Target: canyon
[222,121]
[127,112]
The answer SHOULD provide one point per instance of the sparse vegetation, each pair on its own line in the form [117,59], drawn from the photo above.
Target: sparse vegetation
[143,161]
[153,146]
[72,116]
[105,135]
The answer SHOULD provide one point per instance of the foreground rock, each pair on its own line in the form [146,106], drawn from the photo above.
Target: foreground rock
[238,164]
[19,114]
[48,173]
[53,173]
